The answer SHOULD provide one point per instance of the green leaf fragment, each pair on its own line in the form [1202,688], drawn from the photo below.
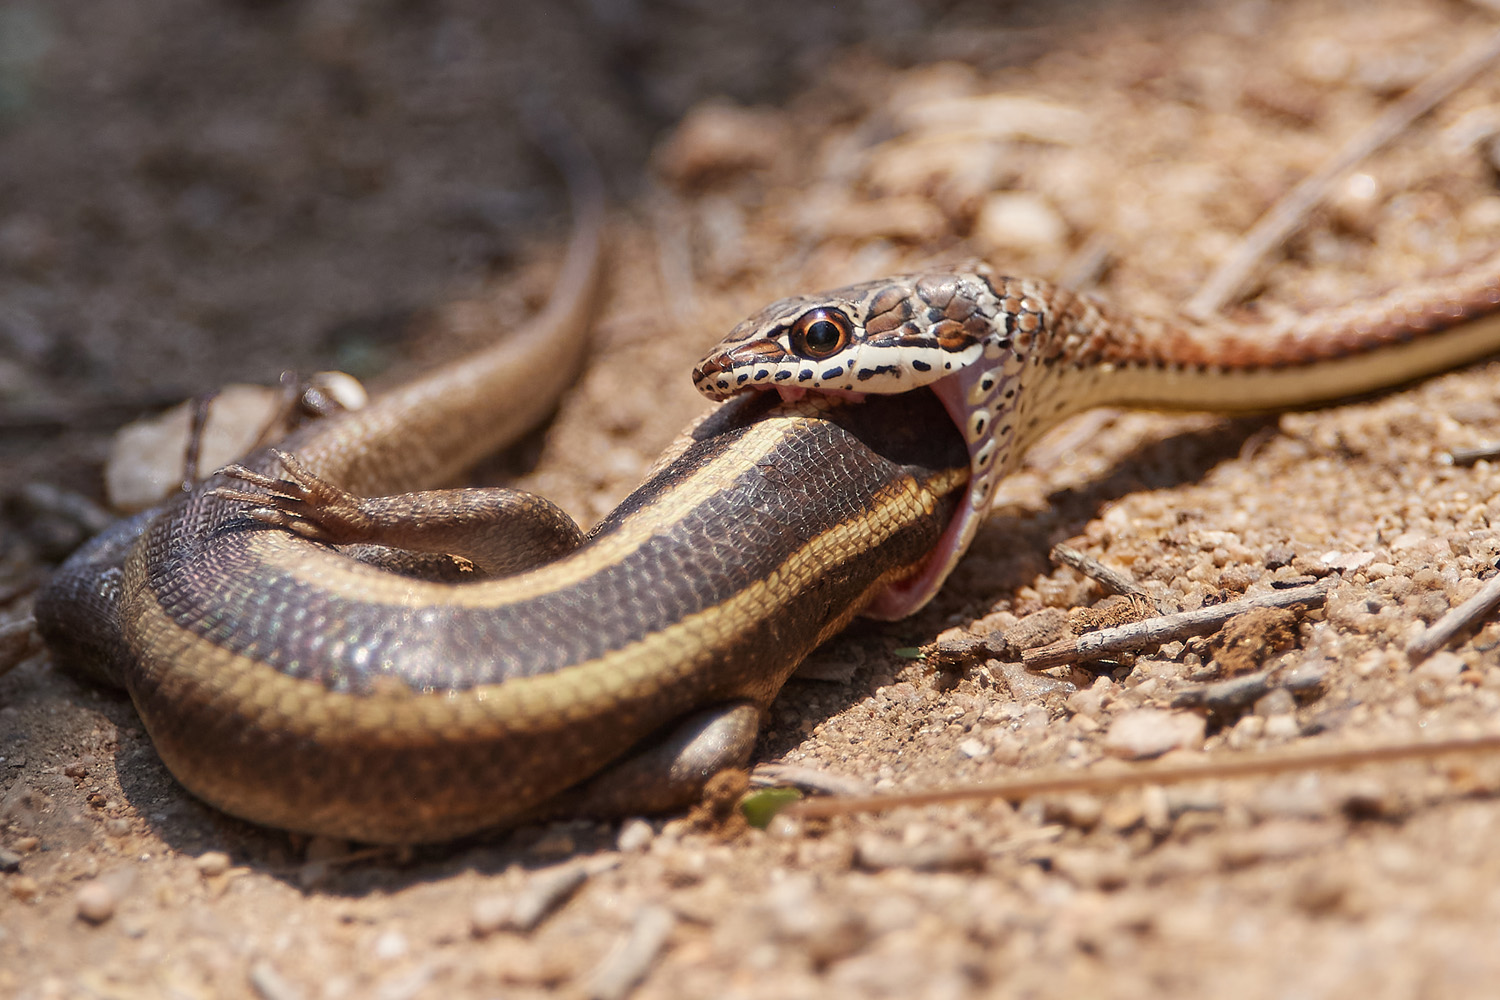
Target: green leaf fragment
[760,807]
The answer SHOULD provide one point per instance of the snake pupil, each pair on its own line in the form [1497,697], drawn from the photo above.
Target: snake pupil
[822,336]
[820,333]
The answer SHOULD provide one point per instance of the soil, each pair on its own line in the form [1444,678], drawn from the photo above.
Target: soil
[195,194]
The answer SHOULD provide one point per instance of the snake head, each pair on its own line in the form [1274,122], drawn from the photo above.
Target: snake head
[948,331]
[884,337]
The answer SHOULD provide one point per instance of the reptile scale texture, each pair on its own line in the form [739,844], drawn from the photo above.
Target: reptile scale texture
[287,680]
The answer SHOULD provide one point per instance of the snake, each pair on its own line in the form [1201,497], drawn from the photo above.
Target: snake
[318,640]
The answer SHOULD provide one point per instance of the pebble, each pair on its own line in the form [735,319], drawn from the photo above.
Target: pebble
[24,888]
[1150,732]
[212,863]
[1018,221]
[489,914]
[635,835]
[973,749]
[1276,702]
[390,945]
[96,902]
[145,462]
[27,844]
[1282,727]
[10,861]
[1091,869]
[1082,812]
[1443,666]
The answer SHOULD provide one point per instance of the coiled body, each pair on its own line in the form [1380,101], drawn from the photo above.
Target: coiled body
[293,685]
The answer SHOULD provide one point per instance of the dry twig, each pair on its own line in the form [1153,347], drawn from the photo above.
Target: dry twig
[1217,768]
[1167,628]
[1440,632]
[1287,214]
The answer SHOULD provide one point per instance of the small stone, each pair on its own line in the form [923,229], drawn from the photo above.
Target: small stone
[1282,727]
[96,902]
[145,462]
[1015,220]
[973,749]
[1122,812]
[1156,814]
[212,864]
[390,945]
[10,861]
[1442,667]
[1247,732]
[27,844]
[1277,702]
[1150,732]
[635,835]
[1248,640]
[1090,869]
[1082,812]
[490,914]
[24,888]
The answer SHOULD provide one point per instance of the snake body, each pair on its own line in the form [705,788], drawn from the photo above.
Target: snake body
[288,682]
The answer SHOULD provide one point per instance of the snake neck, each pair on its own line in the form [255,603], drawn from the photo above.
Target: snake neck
[1048,353]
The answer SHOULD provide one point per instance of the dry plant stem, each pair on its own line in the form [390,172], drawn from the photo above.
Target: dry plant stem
[1111,579]
[1238,766]
[1468,456]
[1155,631]
[1445,628]
[1287,215]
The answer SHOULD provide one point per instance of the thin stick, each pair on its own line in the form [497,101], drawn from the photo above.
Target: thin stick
[1440,632]
[1287,215]
[1167,628]
[1110,579]
[1468,456]
[1238,766]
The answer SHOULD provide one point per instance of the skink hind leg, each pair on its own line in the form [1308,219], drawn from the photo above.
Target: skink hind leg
[668,773]
[500,531]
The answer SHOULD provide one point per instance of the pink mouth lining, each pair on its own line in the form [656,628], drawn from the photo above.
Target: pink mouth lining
[790,394]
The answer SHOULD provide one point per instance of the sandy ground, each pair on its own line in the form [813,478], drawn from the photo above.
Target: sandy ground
[191,195]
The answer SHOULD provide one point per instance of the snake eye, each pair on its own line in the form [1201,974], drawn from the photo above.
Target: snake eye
[821,333]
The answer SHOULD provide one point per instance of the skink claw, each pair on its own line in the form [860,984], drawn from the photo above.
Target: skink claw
[303,502]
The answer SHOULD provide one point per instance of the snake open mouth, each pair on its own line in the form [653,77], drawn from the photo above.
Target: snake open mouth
[906,596]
